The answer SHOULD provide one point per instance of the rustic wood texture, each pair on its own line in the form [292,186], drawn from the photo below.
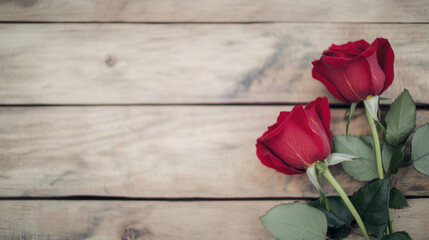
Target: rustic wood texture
[156,151]
[117,53]
[189,63]
[140,220]
[214,11]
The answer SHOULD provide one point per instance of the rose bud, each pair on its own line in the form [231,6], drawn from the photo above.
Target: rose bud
[356,70]
[298,139]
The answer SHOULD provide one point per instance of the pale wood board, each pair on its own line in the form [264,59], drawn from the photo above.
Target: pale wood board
[139,220]
[214,11]
[157,151]
[189,63]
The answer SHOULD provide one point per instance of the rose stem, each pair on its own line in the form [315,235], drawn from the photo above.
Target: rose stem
[327,174]
[378,158]
[376,144]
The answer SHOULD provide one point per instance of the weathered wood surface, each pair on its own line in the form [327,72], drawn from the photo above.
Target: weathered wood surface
[189,63]
[156,151]
[214,11]
[139,220]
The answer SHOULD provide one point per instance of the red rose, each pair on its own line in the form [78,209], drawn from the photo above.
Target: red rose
[298,139]
[356,70]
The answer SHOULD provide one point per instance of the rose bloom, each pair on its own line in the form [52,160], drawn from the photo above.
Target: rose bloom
[298,139]
[356,70]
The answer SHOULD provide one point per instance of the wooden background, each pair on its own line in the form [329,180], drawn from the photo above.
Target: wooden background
[138,119]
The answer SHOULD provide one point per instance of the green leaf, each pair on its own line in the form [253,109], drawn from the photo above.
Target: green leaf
[392,157]
[420,149]
[370,141]
[372,203]
[339,215]
[362,169]
[396,160]
[401,119]
[386,156]
[340,233]
[351,111]
[387,152]
[397,236]
[295,221]
[397,199]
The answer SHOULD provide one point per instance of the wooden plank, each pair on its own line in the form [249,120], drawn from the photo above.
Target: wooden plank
[106,220]
[209,11]
[209,63]
[187,151]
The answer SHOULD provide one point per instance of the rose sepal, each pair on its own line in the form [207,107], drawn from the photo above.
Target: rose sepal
[371,104]
[313,173]
[336,158]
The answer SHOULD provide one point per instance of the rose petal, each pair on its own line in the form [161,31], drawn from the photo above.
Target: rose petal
[339,54]
[276,128]
[355,48]
[318,73]
[316,125]
[386,58]
[268,159]
[321,106]
[353,81]
[297,144]
[262,152]
[336,61]
[272,129]
[376,72]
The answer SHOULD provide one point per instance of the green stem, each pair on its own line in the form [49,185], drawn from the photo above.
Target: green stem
[376,144]
[390,226]
[380,170]
[327,174]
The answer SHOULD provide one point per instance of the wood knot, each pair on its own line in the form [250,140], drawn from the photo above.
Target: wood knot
[135,234]
[110,61]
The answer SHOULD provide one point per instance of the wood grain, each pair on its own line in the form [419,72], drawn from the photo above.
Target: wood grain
[189,63]
[156,151]
[214,11]
[142,220]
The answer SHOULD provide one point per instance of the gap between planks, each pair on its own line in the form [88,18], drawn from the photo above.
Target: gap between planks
[176,199]
[208,23]
[344,106]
